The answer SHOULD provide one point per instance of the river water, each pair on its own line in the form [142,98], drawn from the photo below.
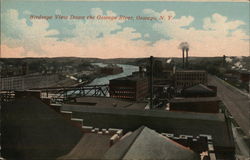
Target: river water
[127,70]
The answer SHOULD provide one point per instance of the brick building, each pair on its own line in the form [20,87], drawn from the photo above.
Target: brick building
[187,78]
[202,105]
[131,87]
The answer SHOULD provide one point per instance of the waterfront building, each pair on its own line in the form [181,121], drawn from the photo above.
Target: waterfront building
[131,87]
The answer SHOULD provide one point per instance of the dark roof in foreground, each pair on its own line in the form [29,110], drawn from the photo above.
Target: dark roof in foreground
[189,123]
[145,143]
[31,130]
[91,146]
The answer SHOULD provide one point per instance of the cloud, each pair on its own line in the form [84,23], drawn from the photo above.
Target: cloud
[146,35]
[58,12]
[91,38]
[27,12]
[218,22]
[219,35]
[171,28]
[109,39]
[89,30]
[15,32]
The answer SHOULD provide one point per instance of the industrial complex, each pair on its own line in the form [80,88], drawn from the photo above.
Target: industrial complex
[176,114]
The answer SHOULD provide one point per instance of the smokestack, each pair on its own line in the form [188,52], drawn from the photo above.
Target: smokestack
[184,46]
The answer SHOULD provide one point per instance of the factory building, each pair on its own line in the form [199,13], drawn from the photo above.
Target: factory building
[202,105]
[131,87]
[187,78]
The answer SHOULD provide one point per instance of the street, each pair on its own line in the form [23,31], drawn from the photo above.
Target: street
[237,103]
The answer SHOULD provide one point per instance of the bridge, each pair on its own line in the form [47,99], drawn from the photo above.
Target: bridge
[61,94]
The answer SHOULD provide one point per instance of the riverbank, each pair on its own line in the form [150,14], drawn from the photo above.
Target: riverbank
[127,70]
[97,77]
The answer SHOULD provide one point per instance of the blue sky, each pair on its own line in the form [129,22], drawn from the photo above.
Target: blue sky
[226,13]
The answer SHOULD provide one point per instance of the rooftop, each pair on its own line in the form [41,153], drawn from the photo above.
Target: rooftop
[32,130]
[199,88]
[145,143]
[91,146]
[189,123]
[200,99]
[107,102]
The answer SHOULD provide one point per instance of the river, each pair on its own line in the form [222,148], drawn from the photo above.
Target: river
[127,70]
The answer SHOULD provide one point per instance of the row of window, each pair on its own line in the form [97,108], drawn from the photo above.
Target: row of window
[115,96]
[132,92]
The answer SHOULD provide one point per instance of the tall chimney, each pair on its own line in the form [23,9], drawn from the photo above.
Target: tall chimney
[184,46]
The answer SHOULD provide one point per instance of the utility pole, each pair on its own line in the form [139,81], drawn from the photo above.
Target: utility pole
[151,81]
[183,58]
[187,49]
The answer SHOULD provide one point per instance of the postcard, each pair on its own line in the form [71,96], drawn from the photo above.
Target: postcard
[144,79]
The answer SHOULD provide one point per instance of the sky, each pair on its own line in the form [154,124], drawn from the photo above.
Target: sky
[155,28]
